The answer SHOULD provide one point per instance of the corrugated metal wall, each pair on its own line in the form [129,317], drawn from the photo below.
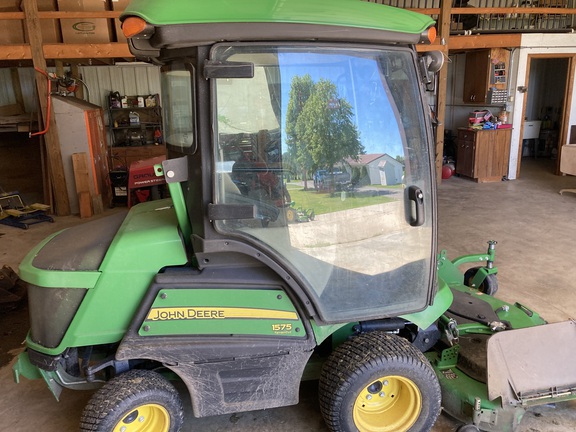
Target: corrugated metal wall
[128,80]
[27,84]
[7,96]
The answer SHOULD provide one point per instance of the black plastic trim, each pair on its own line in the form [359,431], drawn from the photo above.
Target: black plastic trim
[44,361]
[186,35]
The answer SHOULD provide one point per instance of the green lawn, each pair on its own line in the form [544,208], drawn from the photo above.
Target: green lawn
[325,202]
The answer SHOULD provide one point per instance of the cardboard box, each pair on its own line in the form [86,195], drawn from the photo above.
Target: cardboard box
[83,5]
[119,5]
[50,27]
[89,30]
[11,31]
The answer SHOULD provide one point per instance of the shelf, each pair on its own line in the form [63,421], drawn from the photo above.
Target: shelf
[134,108]
[485,69]
[140,126]
[139,137]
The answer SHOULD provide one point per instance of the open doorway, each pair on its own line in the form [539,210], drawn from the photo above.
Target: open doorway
[545,111]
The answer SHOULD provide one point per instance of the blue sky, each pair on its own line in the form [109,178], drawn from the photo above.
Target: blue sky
[359,82]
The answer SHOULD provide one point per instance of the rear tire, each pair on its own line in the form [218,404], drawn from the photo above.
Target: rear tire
[378,382]
[138,400]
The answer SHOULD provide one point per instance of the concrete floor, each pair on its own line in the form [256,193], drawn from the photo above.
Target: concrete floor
[536,233]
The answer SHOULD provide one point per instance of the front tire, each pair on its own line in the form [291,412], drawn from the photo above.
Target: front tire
[291,215]
[468,428]
[488,286]
[135,401]
[378,382]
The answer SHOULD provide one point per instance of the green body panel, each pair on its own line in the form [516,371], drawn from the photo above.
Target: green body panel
[428,316]
[179,203]
[449,271]
[518,315]
[54,278]
[463,388]
[321,333]
[147,241]
[467,400]
[212,311]
[349,13]
[23,367]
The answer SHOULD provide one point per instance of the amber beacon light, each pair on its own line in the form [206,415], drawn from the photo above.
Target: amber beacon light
[428,36]
[133,26]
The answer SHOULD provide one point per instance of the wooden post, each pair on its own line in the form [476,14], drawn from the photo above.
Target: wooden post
[444,35]
[59,64]
[54,154]
[76,74]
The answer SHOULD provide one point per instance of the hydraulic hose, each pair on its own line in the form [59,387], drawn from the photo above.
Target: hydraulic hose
[48,105]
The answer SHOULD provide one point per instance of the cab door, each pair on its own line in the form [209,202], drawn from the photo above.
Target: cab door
[362,245]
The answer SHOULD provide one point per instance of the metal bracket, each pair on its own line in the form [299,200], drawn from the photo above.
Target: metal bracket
[175,170]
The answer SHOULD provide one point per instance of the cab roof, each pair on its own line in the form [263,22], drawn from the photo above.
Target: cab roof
[346,13]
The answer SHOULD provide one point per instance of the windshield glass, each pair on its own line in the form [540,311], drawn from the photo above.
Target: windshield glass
[326,144]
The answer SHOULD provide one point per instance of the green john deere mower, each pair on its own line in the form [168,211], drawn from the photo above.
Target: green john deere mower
[215,287]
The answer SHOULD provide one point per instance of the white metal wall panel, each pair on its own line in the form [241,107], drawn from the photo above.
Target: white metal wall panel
[27,77]
[99,80]
[7,96]
[126,80]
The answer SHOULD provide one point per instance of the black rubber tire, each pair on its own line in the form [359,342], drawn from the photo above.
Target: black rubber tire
[490,284]
[468,428]
[120,397]
[365,359]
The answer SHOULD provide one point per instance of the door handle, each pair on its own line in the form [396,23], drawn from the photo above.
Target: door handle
[416,197]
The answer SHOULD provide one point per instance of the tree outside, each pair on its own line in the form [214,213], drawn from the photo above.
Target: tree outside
[319,125]
[300,91]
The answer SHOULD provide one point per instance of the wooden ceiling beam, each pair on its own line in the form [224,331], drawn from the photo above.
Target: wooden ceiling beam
[62,14]
[468,42]
[67,51]
[86,51]
[120,49]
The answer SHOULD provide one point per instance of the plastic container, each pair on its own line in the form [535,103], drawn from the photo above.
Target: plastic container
[134,118]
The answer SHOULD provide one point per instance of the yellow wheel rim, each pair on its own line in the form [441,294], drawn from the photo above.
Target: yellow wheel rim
[145,418]
[290,215]
[389,404]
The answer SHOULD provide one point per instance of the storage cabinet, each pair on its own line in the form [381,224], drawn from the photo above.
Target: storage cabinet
[483,154]
[465,148]
[135,124]
[486,76]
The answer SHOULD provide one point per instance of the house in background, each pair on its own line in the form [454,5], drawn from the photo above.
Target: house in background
[380,169]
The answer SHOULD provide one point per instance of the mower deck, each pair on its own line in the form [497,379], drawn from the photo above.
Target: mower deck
[496,361]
